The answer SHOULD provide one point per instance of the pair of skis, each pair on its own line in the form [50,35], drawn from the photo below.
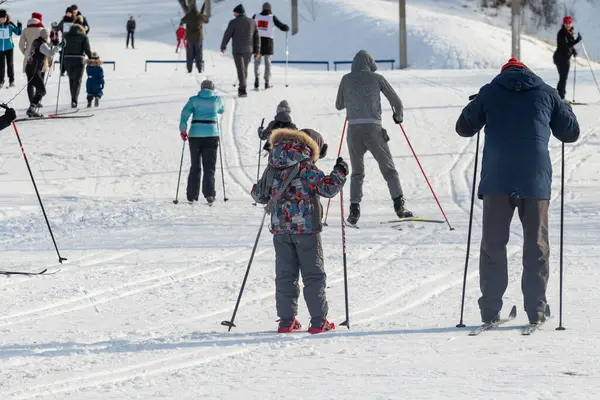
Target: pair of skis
[43,272]
[527,330]
[61,115]
[402,220]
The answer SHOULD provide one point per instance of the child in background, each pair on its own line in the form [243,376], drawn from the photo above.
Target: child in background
[180,37]
[283,119]
[95,80]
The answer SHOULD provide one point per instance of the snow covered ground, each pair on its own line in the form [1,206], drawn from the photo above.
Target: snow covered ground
[135,312]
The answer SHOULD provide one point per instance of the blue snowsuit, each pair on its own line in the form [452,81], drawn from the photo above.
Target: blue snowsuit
[95,80]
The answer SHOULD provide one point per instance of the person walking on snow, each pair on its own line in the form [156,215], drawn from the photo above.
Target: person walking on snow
[204,108]
[7,29]
[194,22]
[283,119]
[358,93]
[181,39]
[76,49]
[290,186]
[28,36]
[130,32]
[243,33]
[519,111]
[95,80]
[64,26]
[266,23]
[565,48]
[37,59]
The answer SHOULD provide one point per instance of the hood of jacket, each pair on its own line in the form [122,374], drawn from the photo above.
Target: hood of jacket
[517,79]
[363,61]
[291,147]
[206,93]
[283,117]
[94,62]
[34,23]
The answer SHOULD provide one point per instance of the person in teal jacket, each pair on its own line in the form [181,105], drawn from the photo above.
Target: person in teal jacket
[204,108]
[7,29]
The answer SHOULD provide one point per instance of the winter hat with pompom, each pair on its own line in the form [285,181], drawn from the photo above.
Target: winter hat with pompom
[567,20]
[284,107]
[37,16]
[513,63]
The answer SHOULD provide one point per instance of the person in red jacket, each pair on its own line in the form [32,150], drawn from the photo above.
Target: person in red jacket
[181,37]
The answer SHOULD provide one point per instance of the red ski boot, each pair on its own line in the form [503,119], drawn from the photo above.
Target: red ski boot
[288,326]
[320,326]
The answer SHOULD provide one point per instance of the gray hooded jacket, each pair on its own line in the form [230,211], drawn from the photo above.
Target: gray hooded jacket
[359,92]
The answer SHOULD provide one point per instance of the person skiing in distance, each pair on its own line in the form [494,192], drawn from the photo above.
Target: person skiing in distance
[516,173]
[243,33]
[7,28]
[95,80]
[76,49]
[358,93]
[28,36]
[36,61]
[181,39]
[9,116]
[64,26]
[204,108]
[130,32]
[565,48]
[194,34]
[283,119]
[290,186]
[77,13]
[266,23]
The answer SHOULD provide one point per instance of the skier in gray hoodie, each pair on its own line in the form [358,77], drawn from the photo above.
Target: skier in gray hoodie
[359,95]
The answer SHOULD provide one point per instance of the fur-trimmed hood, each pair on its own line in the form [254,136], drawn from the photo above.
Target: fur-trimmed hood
[34,23]
[94,62]
[290,147]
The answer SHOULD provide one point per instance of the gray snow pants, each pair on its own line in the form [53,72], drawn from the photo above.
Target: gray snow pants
[194,54]
[295,254]
[242,61]
[493,265]
[268,59]
[373,138]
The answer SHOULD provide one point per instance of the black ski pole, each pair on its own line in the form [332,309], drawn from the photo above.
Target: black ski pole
[230,323]
[62,60]
[259,150]
[347,321]
[462,307]
[179,179]
[574,76]
[60,259]
[562,213]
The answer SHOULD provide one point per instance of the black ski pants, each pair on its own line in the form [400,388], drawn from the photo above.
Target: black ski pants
[493,264]
[36,89]
[563,67]
[74,67]
[203,152]
[131,35]
[7,65]
[194,53]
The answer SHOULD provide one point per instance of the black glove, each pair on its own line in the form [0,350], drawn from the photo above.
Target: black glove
[472,97]
[19,25]
[341,166]
[397,120]
[10,115]
[579,36]
[575,54]
[286,28]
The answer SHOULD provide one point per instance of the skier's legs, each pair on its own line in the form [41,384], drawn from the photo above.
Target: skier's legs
[189,54]
[533,214]
[493,265]
[10,65]
[210,148]
[30,71]
[2,66]
[40,89]
[357,150]
[241,64]
[77,75]
[257,68]
[193,186]
[287,271]
[268,59]
[312,266]
[198,55]
[376,142]
[563,74]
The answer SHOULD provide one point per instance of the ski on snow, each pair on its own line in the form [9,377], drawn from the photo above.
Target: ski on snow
[43,272]
[61,115]
[530,328]
[413,219]
[491,325]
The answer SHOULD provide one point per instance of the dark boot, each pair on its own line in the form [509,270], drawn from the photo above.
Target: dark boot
[289,325]
[89,103]
[256,83]
[401,212]
[33,112]
[354,214]
[96,101]
[267,85]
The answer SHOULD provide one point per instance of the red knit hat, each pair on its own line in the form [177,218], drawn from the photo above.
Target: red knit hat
[513,62]
[36,15]
[567,20]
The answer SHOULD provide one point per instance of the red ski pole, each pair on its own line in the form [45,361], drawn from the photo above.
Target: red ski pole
[338,156]
[425,176]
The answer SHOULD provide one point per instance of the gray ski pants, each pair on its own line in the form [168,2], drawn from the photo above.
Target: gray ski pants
[242,61]
[268,59]
[493,265]
[373,138]
[295,254]
[194,52]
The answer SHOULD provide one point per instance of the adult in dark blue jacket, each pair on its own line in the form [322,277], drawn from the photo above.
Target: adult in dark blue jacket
[519,112]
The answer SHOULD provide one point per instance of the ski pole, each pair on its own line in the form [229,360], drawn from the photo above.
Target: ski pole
[562,213]
[60,259]
[425,176]
[179,179]
[590,64]
[574,76]
[62,60]
[222,173]
[230,323]
[338,156]
[347,321]
[464,289]
[286,60]
[259,150]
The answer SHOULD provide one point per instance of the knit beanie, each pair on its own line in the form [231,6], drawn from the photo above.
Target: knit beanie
[239,9]
[513,63]
[318,138]
[267,7]
[37,16]
[3,14]
[206,84]
[284,107]
[69,10]
[567,20]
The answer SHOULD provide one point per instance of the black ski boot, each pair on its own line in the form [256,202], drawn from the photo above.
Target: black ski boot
[32,112]
[73,104]
[401,212]
[96,101]
[354,214]
[256,84]
[89,103]
[268,85]
[210,200]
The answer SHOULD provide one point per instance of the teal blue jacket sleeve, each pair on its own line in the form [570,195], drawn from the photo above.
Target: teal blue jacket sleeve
[185,116]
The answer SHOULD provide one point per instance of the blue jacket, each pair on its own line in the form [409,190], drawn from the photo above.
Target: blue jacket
[95,81]
[204,106]
[519,111]
[7,31]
